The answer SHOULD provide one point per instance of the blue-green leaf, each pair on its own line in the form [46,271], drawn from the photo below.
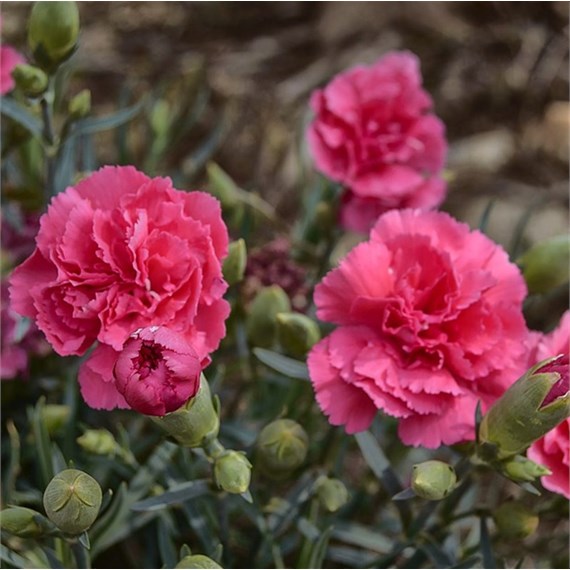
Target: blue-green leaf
[178,494]
[15,111]
[283,364]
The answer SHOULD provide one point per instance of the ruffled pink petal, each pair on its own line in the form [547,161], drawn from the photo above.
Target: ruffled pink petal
[96,380]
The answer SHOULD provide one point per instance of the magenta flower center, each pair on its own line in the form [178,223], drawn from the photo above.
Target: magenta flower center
[148,359]
[562,386]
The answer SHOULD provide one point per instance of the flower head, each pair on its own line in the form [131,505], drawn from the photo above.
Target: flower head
[157,371]
[118,252]
[430,321]
[374,133]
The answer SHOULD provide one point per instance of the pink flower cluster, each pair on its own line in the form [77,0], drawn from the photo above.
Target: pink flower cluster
[430,321]
[553,450]
[374,133]
[117,253]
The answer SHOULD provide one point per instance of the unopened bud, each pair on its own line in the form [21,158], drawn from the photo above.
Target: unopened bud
[545,265]
[25,523]
[536,403]
[282,447]
[55,416]
[197,561]
[72,501]
[262,320]
[332,493]
[297,333]
[195,422]
[160,118]
[433,480]
[98,442]
[53,32]
[31,81]
[521,469]
[80,105]
[235,262]
[232,472]
[515,521]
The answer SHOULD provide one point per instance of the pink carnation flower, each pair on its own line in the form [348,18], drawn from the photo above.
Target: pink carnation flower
[430,321]
[373,132]
[9,59]
[553,450]
[118,252]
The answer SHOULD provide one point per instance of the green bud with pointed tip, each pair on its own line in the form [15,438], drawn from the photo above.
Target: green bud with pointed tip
[31,80]
[521,469]
[25,523]
[232,472]
[332,493]
[433,480]
[80,105]
[282,446]
[536,403]
[545,265]
[297,333]
[235,262]
[72,501]
[195,422]
[261,324]
[222,186]
[515,521]
[55,416]
[197,561]
[98,442]
[53,32]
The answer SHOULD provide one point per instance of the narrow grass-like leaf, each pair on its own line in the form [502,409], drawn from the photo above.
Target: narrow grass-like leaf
[440,558]
[10,108]
[166,546]
[484,220]
[319,550]
[283,364]
[178,494]
[362,536]
[13,559]
[41,439]
[351,557]
[92,125]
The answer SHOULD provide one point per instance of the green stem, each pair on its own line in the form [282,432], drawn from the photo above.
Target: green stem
[213,448]
[46,104]
[82,558]
[308,544]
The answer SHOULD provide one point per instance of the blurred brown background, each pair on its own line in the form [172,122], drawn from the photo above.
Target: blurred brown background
[498,73]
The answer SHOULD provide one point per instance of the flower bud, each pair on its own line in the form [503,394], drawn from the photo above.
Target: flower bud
[197,561]
[80,105]
[282,446]
[262,320]
[55,416]
[297,333]
[98,442]
[545,265]
[536,403]
[32,81]
[521,469]
[232,472]
[515,521]
[25,523]
[222,187]
[72,501]
[194,423]
[332,493]
[235,262]
[53,32]
[433,480]
[160,118]
[157,371]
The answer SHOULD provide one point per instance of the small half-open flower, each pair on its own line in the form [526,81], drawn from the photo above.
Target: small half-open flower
[157,371]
